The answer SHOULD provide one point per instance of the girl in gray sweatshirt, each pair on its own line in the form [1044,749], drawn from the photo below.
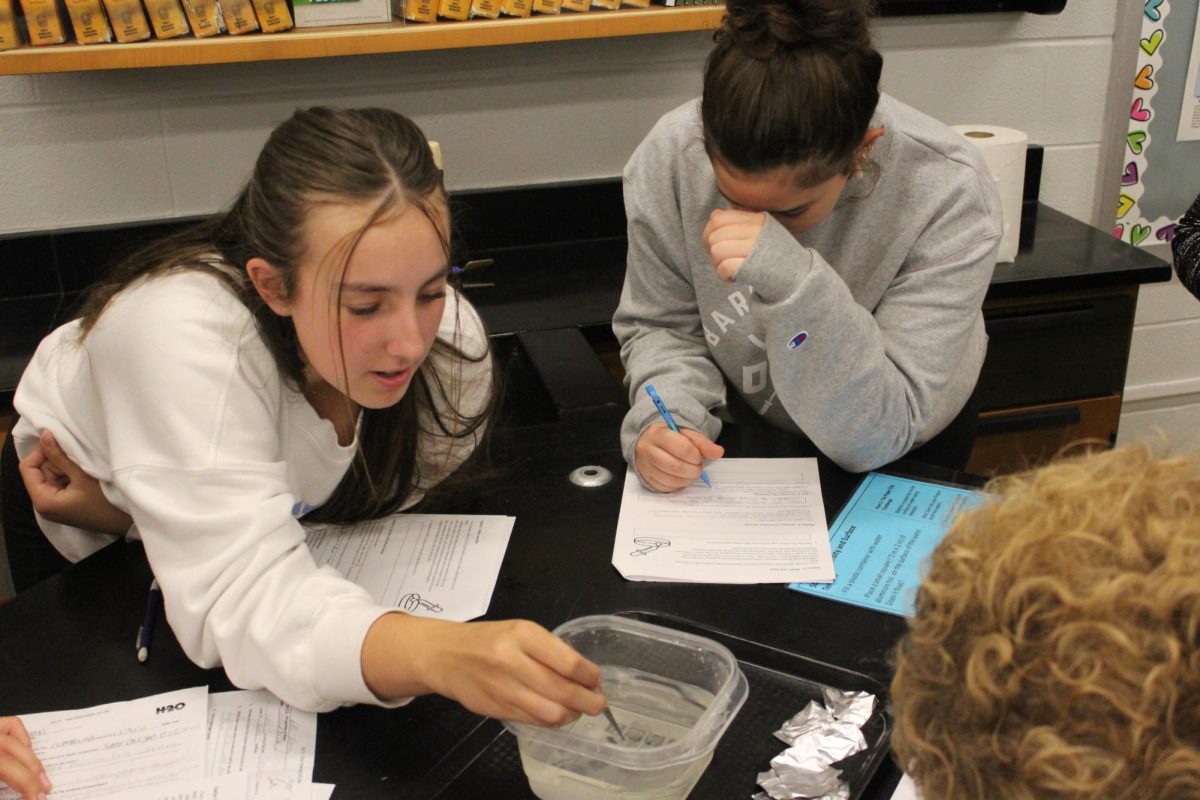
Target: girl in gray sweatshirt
[820,248]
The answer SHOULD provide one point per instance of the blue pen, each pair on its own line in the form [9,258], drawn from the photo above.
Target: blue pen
[666,415]
[146,632]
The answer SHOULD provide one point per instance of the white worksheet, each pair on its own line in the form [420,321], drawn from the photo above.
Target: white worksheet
[265,787]
[431,565]
[256,732]
[238,787]
[116,748]
[906,790]
[763,521]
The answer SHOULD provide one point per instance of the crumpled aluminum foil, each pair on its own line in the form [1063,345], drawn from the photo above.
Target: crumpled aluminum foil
[818,736]
[798,776]
[856,707]
[842,792]
[813,717]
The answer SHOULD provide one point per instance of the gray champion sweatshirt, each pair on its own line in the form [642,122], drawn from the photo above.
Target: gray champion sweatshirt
[865,334]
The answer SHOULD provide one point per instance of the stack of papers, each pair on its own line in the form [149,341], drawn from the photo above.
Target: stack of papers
[430,565]
[763,521]
[181,745]
[189,745]
[906,790]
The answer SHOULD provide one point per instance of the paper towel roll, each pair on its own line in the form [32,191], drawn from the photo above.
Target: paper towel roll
[1004,153]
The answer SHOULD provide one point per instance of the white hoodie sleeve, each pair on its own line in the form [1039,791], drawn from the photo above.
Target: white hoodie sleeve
[191,402]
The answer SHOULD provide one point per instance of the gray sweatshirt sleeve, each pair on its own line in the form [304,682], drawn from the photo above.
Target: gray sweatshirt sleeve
[867,385]
[658,326]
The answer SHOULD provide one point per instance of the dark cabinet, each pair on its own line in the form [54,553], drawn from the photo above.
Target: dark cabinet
[1053,376]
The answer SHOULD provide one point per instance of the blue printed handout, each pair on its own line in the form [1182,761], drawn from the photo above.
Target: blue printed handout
[883,535]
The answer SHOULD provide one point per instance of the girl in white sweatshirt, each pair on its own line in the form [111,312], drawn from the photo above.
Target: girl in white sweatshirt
[301,355]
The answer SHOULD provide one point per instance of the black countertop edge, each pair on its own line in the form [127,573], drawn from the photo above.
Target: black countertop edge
[1058,253]
[574,284]
[560,262]
[903,8]
[515,222]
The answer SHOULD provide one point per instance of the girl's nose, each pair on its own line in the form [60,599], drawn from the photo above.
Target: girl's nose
[404,337]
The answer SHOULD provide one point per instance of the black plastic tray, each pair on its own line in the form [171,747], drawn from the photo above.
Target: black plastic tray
[487,763]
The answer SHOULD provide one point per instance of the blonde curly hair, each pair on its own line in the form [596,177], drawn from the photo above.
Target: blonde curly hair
[1053,654]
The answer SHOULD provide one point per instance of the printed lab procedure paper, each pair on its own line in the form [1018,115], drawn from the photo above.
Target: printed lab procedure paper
[256,732]
[254,747]
[906,790]
[113,749]
[240,786]
[431,565]
[882,537]
[762,522]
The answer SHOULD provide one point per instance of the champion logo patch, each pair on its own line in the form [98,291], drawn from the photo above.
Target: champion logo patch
[797,340]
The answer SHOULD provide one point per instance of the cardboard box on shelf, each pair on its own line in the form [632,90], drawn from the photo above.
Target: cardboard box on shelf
[273,15]
[204,17]
[10,34]
[454,9]
[517,8]
[89,22]
[311,14]
[415,10]
[167,19]
[128,20]
[239,16]
[43,22]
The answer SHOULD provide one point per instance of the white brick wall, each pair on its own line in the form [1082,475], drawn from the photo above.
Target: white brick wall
[1162,386]
[1045,75]
[122,145]
[106,147]
[133,144]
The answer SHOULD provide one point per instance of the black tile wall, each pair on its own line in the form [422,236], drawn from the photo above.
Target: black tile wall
[26,321]
[493,219]
[43,273]
[69,261]
[85,254]
[27,267]
[900,8]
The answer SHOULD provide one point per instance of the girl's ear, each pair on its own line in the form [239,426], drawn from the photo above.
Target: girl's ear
[870,137]
[269,284]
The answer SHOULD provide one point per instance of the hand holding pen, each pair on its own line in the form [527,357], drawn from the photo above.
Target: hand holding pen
[669,458]
[146,632]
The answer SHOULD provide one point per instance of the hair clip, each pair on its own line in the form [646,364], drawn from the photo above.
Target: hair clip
[474,264]
[478,263]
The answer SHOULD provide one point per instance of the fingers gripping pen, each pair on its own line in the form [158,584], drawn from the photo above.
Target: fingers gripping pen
[667,418]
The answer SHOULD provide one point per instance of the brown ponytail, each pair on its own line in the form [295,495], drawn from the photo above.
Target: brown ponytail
[365,155]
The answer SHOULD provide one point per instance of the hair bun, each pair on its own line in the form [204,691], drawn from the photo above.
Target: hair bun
[764,27]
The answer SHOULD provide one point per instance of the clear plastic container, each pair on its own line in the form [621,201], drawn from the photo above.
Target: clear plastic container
[672,693]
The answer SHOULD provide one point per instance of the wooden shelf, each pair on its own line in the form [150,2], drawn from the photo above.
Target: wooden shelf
[351,40]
